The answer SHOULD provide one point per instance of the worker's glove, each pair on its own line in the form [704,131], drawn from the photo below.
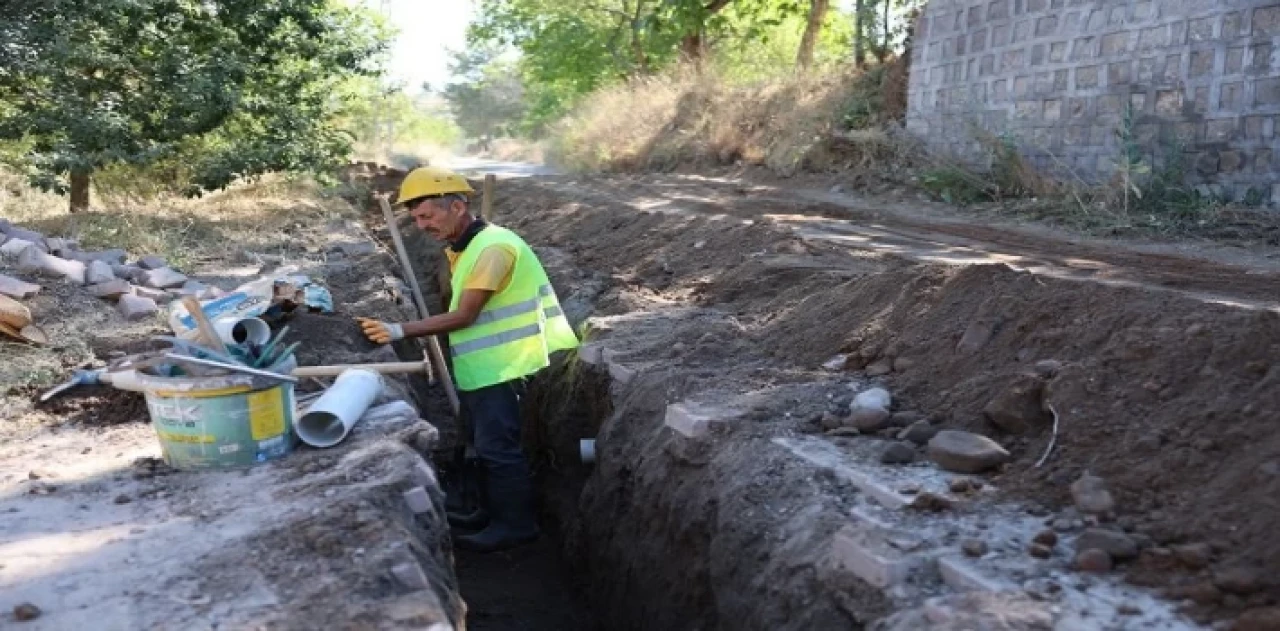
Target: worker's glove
[381,332]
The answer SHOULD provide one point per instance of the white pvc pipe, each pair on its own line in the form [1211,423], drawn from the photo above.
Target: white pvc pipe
[332,416]
[587,450]
[243,330]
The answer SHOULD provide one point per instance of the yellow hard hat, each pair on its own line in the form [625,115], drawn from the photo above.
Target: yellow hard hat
[430,182]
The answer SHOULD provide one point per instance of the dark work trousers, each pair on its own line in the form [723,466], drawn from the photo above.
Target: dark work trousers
[495,428]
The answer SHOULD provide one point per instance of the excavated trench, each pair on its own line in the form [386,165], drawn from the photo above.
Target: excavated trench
[729,490]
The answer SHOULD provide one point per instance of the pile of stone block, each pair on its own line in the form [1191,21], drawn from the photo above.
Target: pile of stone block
[137,288]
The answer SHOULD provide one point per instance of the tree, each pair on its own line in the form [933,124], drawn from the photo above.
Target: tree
[90,83]
[488,98]
[812,30]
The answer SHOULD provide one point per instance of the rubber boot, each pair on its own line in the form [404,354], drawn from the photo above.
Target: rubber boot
[512,521]
[474,520]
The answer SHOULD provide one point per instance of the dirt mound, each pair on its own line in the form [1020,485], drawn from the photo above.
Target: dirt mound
[95,406]
[1170,399]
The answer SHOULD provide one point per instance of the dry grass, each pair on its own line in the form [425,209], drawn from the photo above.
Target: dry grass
[689,119]
[243,217]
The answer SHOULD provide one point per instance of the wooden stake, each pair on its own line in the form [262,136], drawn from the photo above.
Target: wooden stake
[208,335]
[486,199]
[433,345]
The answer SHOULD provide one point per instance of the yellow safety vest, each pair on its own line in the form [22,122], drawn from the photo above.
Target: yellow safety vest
[520,326]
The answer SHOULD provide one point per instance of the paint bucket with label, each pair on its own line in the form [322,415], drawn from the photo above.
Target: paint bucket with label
[220,422]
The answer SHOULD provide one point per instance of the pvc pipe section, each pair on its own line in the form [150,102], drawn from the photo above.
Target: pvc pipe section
[587,450]
[243,330]
[332,416]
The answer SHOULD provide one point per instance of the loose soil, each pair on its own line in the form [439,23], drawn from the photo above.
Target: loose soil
[1167,387]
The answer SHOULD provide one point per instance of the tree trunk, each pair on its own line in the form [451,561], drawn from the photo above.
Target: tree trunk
[882,51]
[692,48]
[79,190]
[858,31]
[817,14]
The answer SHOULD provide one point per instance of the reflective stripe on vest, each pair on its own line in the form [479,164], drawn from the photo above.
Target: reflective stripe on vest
[497,339]
[526,306]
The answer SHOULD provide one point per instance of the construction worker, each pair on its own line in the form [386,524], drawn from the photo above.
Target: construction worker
[504,322]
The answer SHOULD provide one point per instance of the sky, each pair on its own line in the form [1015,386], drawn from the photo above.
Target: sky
[428,30]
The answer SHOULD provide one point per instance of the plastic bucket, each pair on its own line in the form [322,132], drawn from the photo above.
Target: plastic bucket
[220,422]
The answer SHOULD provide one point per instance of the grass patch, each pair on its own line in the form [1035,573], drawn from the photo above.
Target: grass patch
[250,216]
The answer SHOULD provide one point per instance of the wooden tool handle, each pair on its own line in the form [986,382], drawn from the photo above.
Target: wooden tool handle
[393,368]
[208,335]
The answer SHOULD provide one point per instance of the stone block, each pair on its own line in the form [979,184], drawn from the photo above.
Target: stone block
[1117,16]
[1229,161]
[1057,52]
[112,257]
[1138,103]
[1087,77]
[1201,62]
[1200,100]
[857,550]
[35,261]
[999,35]
[961,576]
[159,295]
[418,501]
[15,288]
[135,308]
[14,246]
[1232,25]
[1119,73]
[1262,162]
[97,272]
[1260,57]
[1266,21]
[1266,92]
[111,290]
[1078,107]
[35,238]
[1114,44]
[1168,103]
[1038,52]
[1235,60]
[1053,110]
[1230,95]
[1021,31]
[1097,20]
[163,278]
[1047,26]
[978,41]
[694,420]
[1153,38]
[998,10]
[1221,130]
[1011,60]
[152,262]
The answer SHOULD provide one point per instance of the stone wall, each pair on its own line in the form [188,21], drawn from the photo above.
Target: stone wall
[1202,78]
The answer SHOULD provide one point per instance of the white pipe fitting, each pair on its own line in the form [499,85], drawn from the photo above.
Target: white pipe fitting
[332,416]
[243,330]
[587,450]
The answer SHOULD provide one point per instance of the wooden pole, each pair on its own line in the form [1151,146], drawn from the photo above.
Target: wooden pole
[433,345]
[486,199]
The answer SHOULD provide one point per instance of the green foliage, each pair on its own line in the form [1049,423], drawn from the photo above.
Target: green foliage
[241,87]
[568,50]
[487,100]
[382,117]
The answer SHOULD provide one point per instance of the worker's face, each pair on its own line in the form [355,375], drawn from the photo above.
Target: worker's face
[442,219]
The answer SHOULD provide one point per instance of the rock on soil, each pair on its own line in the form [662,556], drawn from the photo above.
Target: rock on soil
[919,432]
[1241,581]
[1116,544]
[111,290]
[965,452]
[98,272]
[974,547]
[1018,407]
[1046,537]
[135,308]
[1195,556]
[1039,551]
[898,453]
[873,398]
[869,420]
[15,288]
[26,612]
[1091,495]
[164,278]
[1093,560]
[1265,619]
[152,262]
